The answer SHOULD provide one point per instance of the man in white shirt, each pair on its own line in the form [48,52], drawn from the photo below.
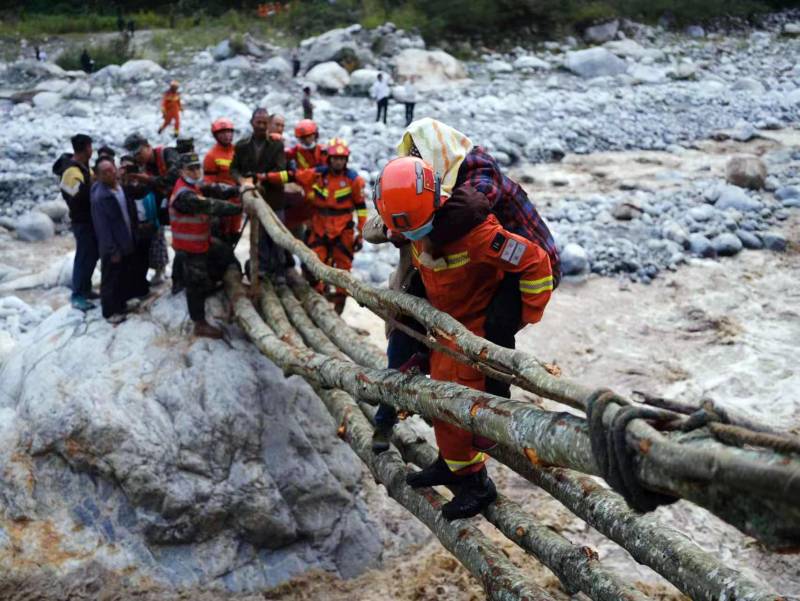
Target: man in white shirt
[380,92]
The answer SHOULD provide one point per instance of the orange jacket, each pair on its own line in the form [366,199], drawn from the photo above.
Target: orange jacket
[335,197]
[171,103]
[462,280]
[304,157]
[217,165]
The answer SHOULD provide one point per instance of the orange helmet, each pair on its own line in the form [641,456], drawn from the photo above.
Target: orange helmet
[221,125]
[304,128]
[407,195]
[338,148]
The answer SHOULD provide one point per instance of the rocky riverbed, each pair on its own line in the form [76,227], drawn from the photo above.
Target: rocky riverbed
[667,165]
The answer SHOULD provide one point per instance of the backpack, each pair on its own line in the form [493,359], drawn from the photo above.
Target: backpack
[62,163]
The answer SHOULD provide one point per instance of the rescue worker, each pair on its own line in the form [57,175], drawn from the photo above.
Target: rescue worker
[307,153]
[462,263]
[160,172]
[336,192]
[204,259]
[461,163]
[171,108]
[260,160]
[217,170]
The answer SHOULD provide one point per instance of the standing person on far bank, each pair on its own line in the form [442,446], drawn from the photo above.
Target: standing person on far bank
[409,98]
[308,106]
[380,93]
[295,63]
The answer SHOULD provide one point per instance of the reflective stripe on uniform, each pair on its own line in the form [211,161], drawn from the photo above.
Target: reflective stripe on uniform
[361,212]
[189,237]
[342,192]
[191,219]
[452,261]
[301,160]
[544,284]
[223,162]
[322,192]
[456,466]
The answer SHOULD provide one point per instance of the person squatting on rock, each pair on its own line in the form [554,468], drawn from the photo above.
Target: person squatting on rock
[76,182]
[307,153]
[462,263]
[217,170]
[115,222]
[380,93]
[159,172]
[337,192]
[465,168]
[260,160]
[204,258]
[171,108]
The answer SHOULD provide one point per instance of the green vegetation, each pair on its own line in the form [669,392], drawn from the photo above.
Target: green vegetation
[491,20]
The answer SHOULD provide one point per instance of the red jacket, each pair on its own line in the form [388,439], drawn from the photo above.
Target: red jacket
[304,157]
[217,165]
[335,197]
[191,232]
[465,275]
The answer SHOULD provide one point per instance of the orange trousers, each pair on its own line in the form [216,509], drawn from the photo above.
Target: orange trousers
[170,116]
[456,444]
[336,252]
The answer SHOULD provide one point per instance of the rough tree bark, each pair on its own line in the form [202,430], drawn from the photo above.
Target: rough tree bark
[753,474]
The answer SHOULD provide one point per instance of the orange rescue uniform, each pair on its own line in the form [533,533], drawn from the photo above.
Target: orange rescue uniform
[171,109]
[217,170]
[462,282]
[304,159]
[335,197]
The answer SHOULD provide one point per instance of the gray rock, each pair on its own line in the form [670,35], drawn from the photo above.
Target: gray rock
[279,66]
[748,84]
[237,63]
[727,244]
[328,77]
[106,75]
[791,30]
[625,211]
[733,197]
[531,63]
[647,74]
[749,239]
[336,45]
[694,31]
[594,62]
[222,51]
[746,172]
[785,192]
[744,132]
[46,100]
[774,241]
[206,465]
[498,66]
[35,227]
[675,232]
[791,203]
[574,259]
[227,106]
[602,32]
[56,210]
[701,246]
[141,69]
[361,81]
[702,213]
[433,68]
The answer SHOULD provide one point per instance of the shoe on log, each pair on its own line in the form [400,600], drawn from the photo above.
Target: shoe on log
[476,493]
[380,439]
[436,474]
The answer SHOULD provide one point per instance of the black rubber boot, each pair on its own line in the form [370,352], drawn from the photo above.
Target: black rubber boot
[380,439]
[476,493]
[436,474]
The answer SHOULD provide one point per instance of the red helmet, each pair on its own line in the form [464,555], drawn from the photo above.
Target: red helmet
[407,194]
[338,148]
[221,125]
[304,128]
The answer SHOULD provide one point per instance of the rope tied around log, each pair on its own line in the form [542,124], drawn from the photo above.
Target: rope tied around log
[611,451]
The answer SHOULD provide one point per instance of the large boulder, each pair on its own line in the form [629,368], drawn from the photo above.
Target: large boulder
[227,106]
[574,259]
[139,70]
[602,32]
[238,63]
[32,69]
[361,81]
[222,51]
[278,66]
[106,75]
[172,459]
[746,172]
[337,45]
[433,68]
[634,50]
[328,77]
[733,197]
[727,244]
[748,84]
[35,227]
[46,100]
[791,30]
[56,210]
[594,62]
[531,63]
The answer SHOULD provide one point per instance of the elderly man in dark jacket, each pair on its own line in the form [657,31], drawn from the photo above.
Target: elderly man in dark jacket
[113,224]
[263,161]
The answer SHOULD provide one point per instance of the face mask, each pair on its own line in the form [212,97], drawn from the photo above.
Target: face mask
[192,180]
[309,146]
[420,232]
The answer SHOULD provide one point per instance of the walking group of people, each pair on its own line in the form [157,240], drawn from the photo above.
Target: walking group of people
[470,242]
